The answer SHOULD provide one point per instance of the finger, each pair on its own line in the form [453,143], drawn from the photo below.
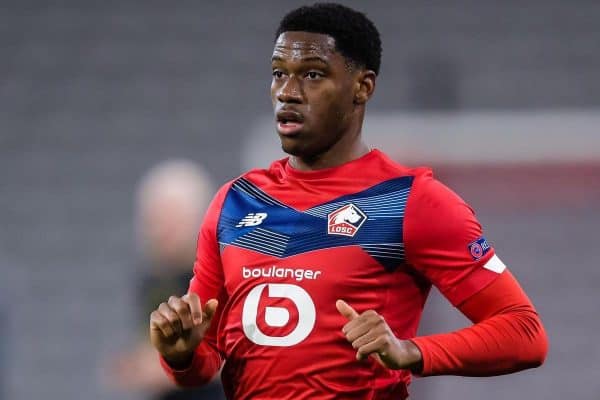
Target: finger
[368,317]
[364,339]
[210,308]
[377,346]
[195,304]
[355,331]
[369,321]
[183,311]
[171,316]
[345,309]
[160,323]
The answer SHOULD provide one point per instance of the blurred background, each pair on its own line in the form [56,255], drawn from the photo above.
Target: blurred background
[502,97]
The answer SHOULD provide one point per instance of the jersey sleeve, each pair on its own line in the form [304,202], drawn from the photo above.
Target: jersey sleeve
[508,335]
[444,241]
[207,283]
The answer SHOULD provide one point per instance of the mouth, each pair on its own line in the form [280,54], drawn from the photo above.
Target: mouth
[289,122]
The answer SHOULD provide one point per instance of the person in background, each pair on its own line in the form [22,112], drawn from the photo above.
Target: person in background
[170,202]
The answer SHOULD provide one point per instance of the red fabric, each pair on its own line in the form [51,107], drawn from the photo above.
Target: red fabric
[438,228]
[431,236]
[507,336]
[204,366]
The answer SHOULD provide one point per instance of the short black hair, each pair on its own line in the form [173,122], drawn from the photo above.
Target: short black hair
[356,36]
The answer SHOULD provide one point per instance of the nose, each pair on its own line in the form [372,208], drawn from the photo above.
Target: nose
[290,91]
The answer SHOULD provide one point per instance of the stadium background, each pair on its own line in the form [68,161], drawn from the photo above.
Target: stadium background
[93,93]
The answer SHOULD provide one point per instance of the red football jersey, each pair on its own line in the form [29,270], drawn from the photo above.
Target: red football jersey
[279,246]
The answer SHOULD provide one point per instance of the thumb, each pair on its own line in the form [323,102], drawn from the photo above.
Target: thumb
[210,308]
[345,309]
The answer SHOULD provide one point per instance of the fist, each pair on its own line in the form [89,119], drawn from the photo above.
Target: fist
[178,326]
[371,336]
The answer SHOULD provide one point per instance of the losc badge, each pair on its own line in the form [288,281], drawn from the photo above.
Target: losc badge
[345,221]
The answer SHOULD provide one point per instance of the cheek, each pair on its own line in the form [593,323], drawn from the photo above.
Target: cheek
[273,93]
[332,108]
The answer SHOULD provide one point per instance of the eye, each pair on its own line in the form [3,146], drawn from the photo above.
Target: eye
[312,75]
[277,74]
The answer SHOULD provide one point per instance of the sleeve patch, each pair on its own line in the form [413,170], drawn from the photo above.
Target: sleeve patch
[479,248]
[495,264]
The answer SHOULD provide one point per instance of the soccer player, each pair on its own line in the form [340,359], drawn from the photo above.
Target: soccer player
[311,275]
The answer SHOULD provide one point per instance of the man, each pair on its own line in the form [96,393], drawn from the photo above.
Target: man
[311,276]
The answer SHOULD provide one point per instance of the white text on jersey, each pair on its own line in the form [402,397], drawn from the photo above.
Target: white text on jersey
[298,274]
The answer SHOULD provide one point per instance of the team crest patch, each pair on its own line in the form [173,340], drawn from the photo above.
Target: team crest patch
[345,221]
[479,248]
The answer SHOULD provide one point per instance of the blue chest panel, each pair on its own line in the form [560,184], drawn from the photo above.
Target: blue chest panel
[252,219]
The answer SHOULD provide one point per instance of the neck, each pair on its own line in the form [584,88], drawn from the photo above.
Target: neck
[349,147]
[331,158]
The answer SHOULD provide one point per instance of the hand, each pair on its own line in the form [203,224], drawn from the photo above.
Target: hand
[178,326]
[371,336]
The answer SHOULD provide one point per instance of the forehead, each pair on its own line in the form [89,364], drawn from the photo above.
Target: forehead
[302,44]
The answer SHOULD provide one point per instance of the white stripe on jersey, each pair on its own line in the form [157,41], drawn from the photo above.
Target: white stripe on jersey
[495,264]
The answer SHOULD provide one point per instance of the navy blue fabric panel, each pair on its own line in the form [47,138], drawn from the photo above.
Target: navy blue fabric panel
[254,220]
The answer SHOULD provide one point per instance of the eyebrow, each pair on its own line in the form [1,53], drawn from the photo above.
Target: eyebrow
[305,59]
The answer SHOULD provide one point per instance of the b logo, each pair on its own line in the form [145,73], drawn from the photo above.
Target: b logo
[279,316]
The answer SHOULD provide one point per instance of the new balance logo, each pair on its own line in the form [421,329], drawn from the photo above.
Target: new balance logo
[252,219]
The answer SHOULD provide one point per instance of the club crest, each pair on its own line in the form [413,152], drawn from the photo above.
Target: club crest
[345,221]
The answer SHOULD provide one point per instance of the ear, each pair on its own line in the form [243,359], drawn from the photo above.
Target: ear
[365,86]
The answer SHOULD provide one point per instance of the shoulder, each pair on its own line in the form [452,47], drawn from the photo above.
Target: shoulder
[436,214]
[432,200]
[247,181]
[255,175]
[259,175]
[425,189]
[424,184]
[387,166]
[428,192]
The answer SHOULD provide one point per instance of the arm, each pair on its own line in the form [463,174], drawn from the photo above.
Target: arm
[507,336]
[445,243]
[201,363]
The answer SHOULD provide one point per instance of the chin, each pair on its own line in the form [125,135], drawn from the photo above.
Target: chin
[291,150]
[298,146]
[292,147]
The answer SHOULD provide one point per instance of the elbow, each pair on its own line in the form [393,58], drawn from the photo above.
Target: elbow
[542,349]
[538,349]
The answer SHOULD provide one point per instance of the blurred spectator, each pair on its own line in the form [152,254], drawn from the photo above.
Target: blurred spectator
[171,200]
